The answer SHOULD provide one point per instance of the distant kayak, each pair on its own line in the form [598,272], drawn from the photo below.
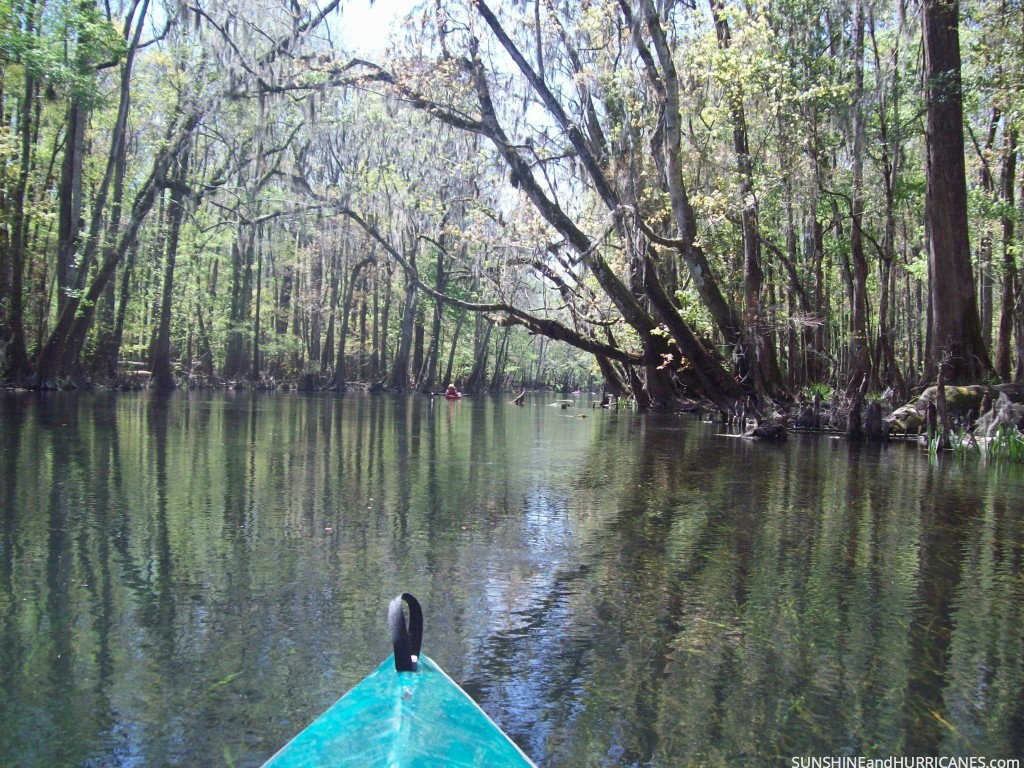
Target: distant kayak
[407,712]
[452,395]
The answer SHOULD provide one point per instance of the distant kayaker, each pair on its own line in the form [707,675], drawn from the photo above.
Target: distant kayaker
[452,393]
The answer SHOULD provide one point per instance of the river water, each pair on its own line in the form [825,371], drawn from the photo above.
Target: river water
[191,581]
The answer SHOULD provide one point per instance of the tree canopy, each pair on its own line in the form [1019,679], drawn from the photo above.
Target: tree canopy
[723,201]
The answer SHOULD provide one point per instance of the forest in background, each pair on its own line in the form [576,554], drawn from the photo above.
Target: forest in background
[714,200]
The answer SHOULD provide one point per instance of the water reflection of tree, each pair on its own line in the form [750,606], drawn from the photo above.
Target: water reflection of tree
[14,503]
[162,606]
[968,635]
[56,610]
[807,658]
[608,587]
[743,616]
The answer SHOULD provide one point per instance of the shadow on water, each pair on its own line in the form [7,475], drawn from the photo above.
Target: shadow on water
[192,579]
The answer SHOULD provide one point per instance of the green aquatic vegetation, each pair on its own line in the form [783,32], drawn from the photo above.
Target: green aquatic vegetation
[965,444]
[1007,443]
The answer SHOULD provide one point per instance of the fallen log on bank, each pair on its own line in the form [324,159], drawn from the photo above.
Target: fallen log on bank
[1003,413]
[961,400]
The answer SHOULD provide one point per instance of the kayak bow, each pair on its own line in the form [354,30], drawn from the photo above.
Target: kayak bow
[407,712]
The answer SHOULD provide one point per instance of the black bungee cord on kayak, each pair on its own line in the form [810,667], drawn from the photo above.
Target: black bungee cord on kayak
[406,639]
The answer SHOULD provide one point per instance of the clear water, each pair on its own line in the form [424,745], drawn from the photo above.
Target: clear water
[191,581]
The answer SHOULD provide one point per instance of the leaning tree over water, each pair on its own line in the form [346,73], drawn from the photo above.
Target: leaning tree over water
[721,199]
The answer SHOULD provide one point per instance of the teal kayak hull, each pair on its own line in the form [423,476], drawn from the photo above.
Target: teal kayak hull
[402,720]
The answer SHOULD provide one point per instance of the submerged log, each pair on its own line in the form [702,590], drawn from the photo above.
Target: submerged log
[768,430]
[911,417]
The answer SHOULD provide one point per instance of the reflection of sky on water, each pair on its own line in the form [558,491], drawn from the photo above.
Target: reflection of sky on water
[531,628]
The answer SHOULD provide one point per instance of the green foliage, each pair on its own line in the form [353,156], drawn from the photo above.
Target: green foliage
[63,48]
[964,443]
[283,142]
[1007,444]
[694,313]
[819,388]
[919,266]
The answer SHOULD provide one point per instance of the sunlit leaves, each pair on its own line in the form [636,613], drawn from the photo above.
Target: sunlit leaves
[61,47]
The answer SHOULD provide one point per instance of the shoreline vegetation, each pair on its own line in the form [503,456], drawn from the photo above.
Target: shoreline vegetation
[976,420]
[788,217]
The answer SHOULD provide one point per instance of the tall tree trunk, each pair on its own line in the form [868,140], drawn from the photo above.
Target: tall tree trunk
[419,331]
[428,374]
[1007,178]
[315,308]
[911,326]
[766,369]
[152,271]
[451,353]
[816,370]
[385,319]
[364,311]
[885,370]
[985,288]
[400,368]
[341,367]
[375,331]
[163,379]
[985,250]
[254,367]
[796,346]
[500,359]
[860,355]
[955,325]
[327,356]
[70,223]
[59,355]
[284,301]
[483,340]
[124,296]
[235,362]
[44,285]
[17,367]
[704,281]
[298,327]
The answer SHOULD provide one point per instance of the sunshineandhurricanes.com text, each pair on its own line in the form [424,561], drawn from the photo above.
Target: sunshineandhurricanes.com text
[903,762]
